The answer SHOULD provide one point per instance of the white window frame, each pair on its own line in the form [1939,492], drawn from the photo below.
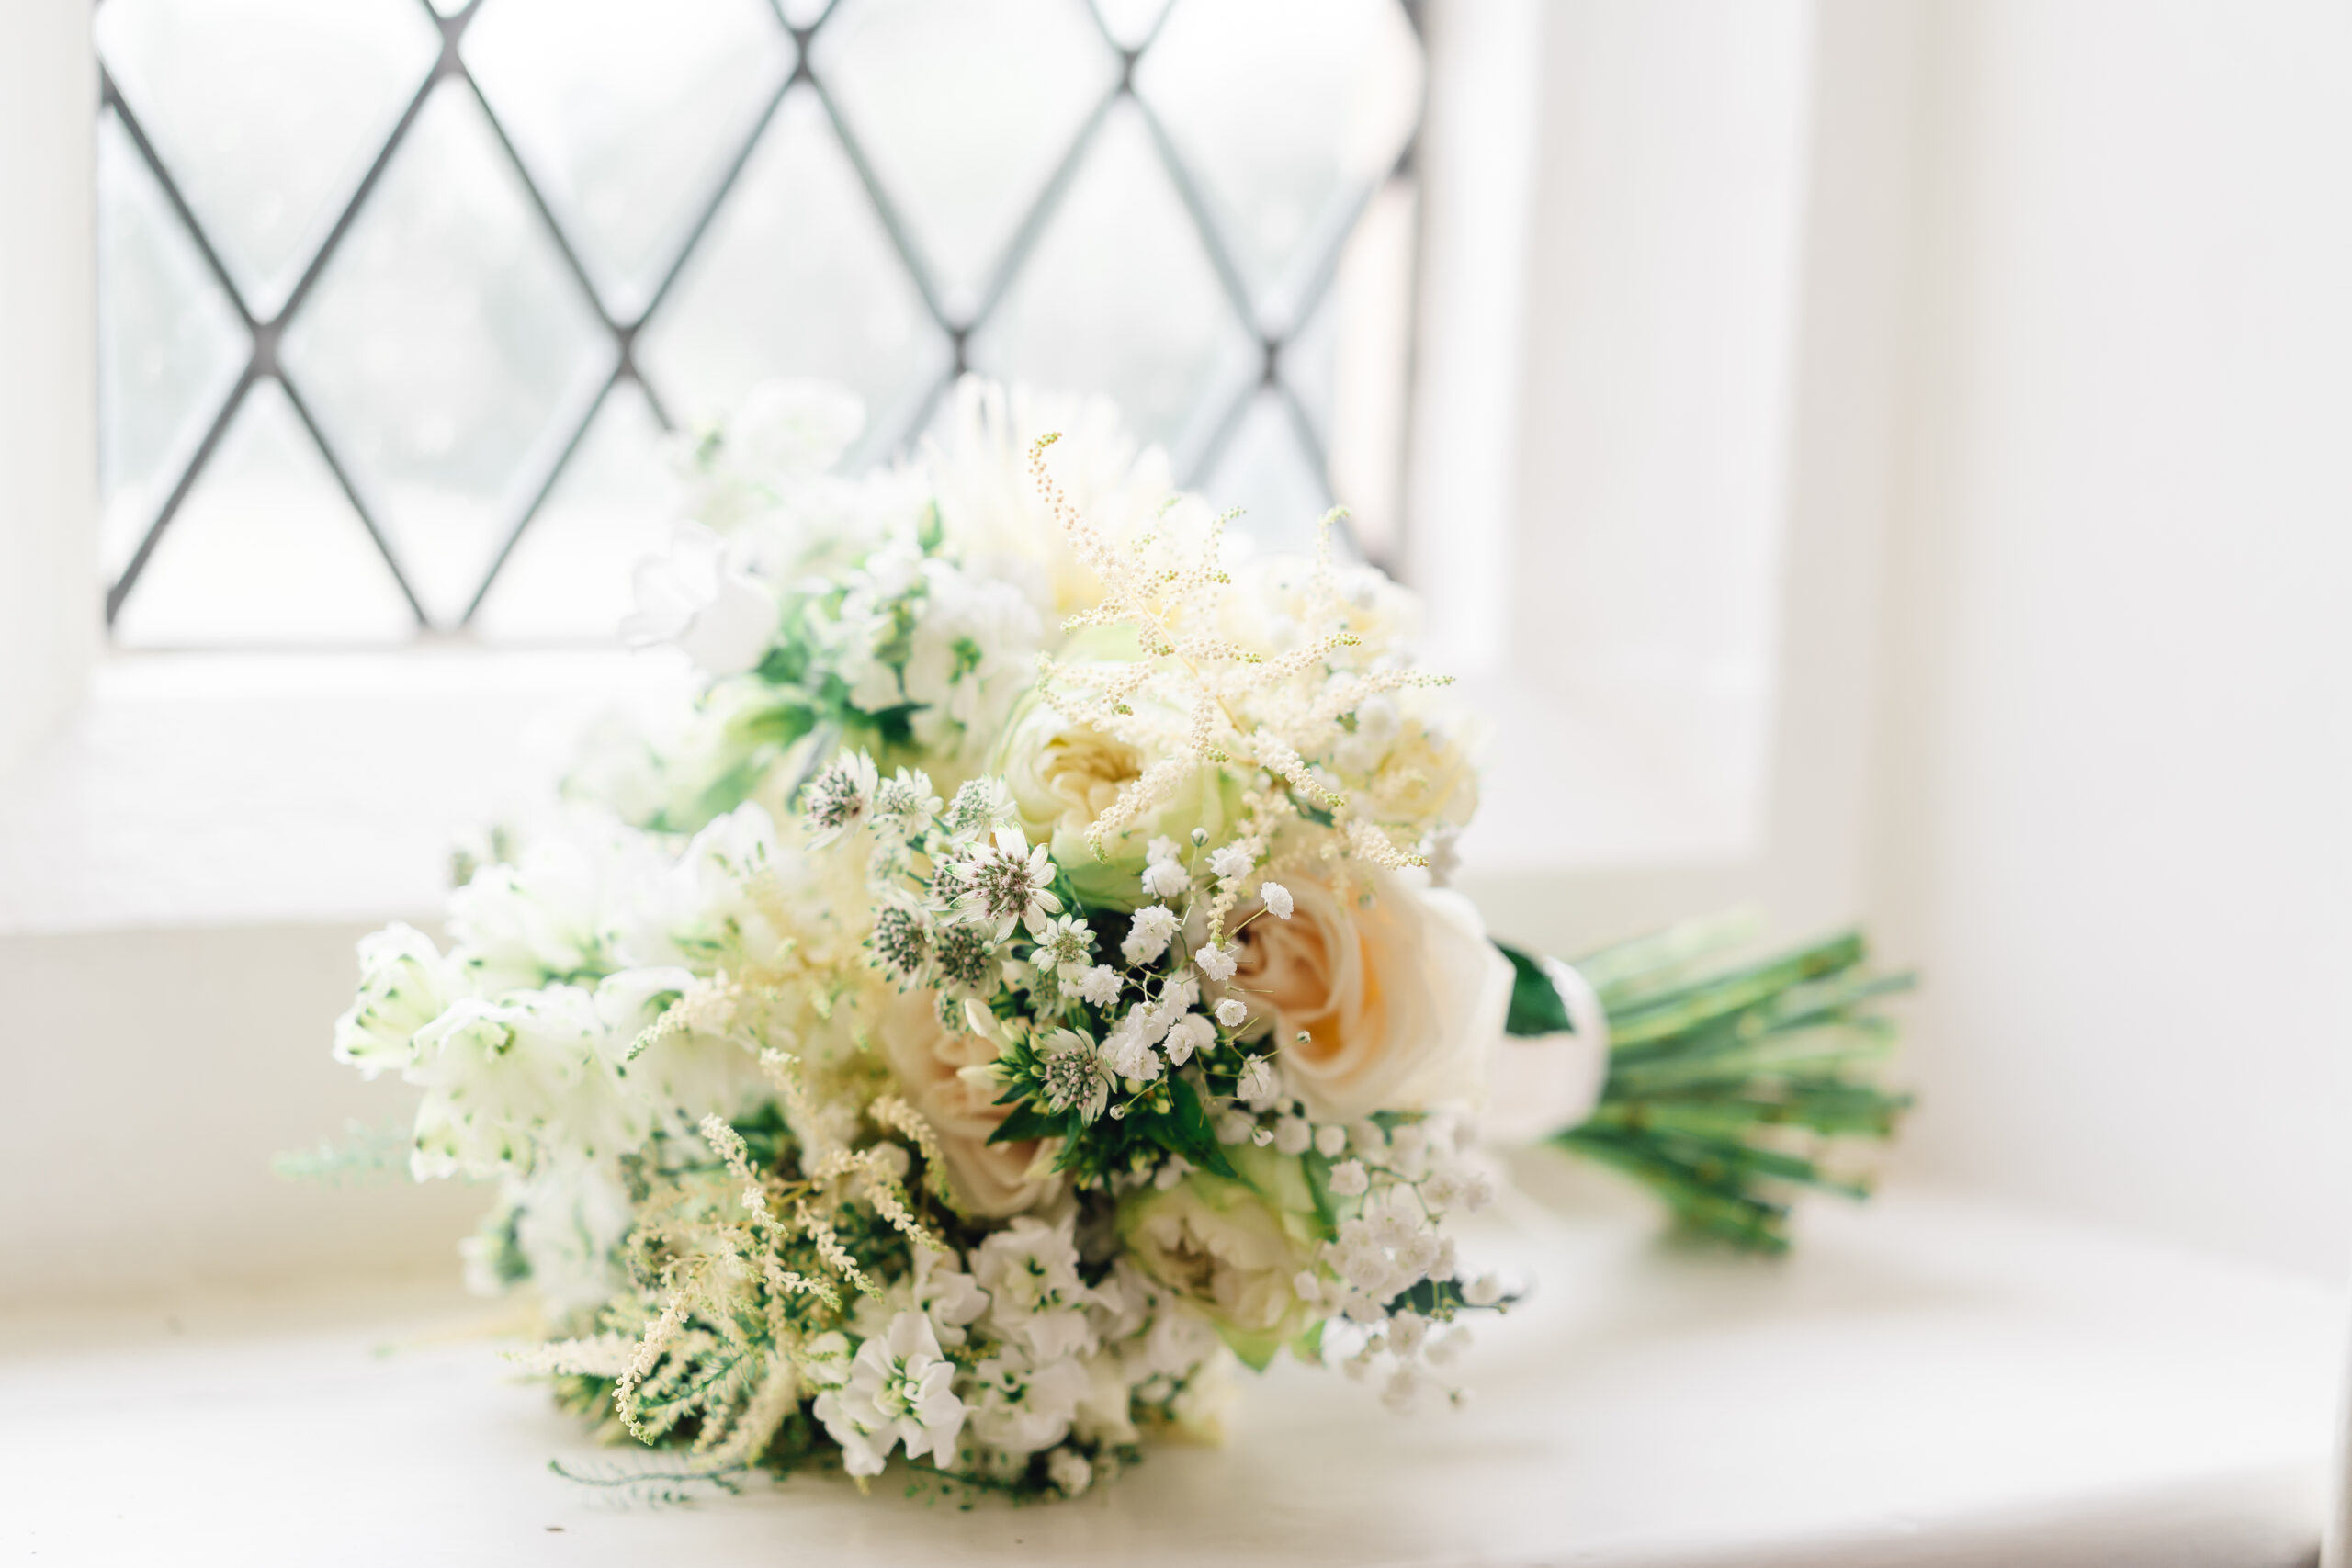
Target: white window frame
[205,789]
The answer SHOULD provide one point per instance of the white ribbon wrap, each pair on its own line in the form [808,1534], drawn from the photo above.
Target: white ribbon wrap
[1543,1084]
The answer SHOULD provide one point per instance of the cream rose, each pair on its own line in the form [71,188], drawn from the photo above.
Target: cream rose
[1063,776]
[1232,1247]
[990,1179]
[1394,987]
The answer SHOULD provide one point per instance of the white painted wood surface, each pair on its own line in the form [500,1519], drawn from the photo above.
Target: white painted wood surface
[1927,1382]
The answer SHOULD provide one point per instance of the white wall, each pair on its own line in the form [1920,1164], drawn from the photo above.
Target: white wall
[2115,772]
[48,602]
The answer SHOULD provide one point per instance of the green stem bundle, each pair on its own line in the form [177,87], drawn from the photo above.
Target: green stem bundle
[1731,1086]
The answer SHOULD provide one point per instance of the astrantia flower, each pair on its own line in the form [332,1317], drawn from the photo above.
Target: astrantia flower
[839,799]
[1064,945]
[1071,1067]
[902,941]
[964,955]
[1006,882]
[904,802]
[980,805]
[1149,935]
[899,1391]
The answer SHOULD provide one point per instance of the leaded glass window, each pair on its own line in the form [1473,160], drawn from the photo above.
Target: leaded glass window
[398,299]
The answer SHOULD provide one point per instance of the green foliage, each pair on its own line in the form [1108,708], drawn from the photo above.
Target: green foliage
[365,1156]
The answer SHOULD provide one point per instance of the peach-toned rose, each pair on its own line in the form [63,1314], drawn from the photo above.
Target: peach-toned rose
[1399,993]
[990,1179]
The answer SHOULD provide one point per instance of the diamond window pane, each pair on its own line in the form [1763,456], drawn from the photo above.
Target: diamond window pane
[170,346]
[1366,410]
[568,580]
[1287,114]
[447,351]
[796,277]
[267,112]
[266,550]
[630,114]
[1129,22]
[1120,298]
[964,108]
[1266,471]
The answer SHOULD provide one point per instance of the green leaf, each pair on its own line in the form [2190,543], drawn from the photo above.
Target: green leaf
[1183,1129]
[1535,1005]
[1028,1121]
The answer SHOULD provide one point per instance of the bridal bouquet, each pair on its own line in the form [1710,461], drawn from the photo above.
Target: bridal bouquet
[1019,986]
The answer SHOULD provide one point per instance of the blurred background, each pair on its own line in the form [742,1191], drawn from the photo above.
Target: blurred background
[1877,459]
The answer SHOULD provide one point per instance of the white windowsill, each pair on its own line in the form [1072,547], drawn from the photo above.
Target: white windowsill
[258,789]
[247,789]
[1925,1380]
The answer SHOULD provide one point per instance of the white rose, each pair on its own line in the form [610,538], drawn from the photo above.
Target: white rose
[1063,776]
[1394,987]
[1232,1247]
[990,1179]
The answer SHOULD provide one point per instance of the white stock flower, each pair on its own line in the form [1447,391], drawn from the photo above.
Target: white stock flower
[561,911]
[404,984]
[899,1391]
[951,1299]
[510,1083]
[1035,1297]
[1020,1405]
[790,428]
[572,1216]
[697,598]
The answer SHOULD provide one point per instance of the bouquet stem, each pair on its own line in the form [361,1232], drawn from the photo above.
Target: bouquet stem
[1730,1086]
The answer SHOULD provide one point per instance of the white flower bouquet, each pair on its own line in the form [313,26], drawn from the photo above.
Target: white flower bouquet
[1016,990]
